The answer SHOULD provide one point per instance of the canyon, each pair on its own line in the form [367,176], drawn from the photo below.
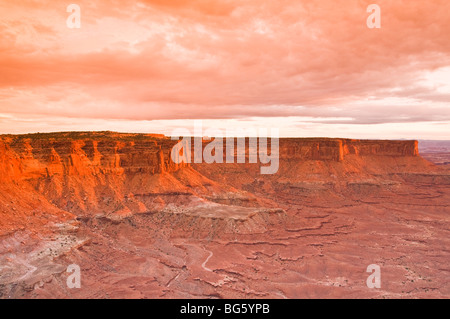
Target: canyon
[140,225]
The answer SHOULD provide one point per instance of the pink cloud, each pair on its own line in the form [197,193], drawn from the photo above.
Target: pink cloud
[228,59]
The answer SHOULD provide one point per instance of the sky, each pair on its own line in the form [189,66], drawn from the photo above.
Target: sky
[308,68]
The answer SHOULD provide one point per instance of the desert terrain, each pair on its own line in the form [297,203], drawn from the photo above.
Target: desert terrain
[141,226]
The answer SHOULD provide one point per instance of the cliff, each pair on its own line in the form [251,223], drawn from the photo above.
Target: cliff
[337,149]
[80,154]
[331,149]
[25,157]
[140,225]
[325,149]
[85,173]
[113,173]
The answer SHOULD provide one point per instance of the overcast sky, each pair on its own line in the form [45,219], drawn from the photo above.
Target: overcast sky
[309,68]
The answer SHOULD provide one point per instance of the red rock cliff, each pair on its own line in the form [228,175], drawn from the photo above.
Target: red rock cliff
[89,172]
[106,172]
[91,154]
[329,149]
[46,155]
[337,149]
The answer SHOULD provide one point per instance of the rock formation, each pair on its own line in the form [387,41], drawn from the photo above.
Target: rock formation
[107,200]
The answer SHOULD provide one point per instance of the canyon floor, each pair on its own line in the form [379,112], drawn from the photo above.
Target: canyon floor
[218,230]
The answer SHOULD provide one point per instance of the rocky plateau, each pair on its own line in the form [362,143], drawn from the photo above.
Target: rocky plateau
[141,226]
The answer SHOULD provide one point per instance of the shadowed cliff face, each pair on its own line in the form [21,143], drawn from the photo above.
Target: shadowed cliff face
[102,199]
[322,149]
[338,149]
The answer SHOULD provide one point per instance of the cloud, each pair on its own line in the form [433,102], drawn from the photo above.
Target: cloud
[229,59]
